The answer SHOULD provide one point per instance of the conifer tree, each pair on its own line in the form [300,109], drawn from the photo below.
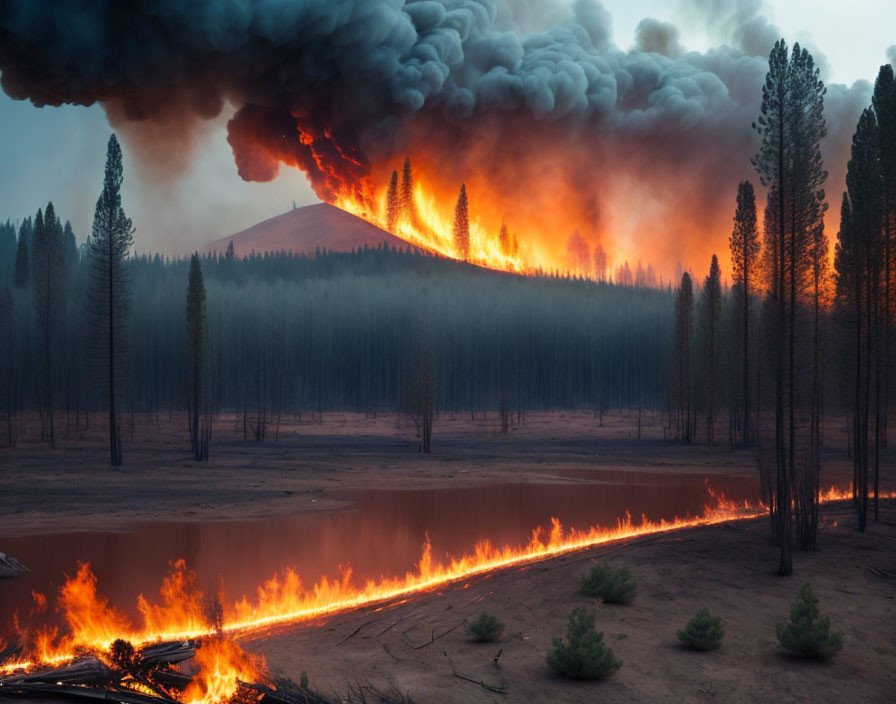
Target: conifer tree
[408,206]
[49,291]
[6,360]
[744,242]
[108,288]
[504,240]
[791,125]
[859,266]
[70,245]
[712,294]
[684,305]
[393,205]
[196,335]
[22,272]
[462,225]
[600,262]
[7,250]
[884,102]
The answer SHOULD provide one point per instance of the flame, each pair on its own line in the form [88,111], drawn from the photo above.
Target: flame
[94,624]
[432,230]
[222,666]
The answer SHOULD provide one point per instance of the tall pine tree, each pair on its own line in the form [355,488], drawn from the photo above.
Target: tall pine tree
[461,228]
[108,287]
[49,286]
[196,336]
[744,242]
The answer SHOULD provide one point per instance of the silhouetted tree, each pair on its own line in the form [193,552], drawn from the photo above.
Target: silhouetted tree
[406,198]
[49,292]
[393,204]
[858,265]
[684,306]
[744,244]
[6,360]
[578,254]
[70,246]
[504,240]
[22,273]
[461,228]
[789,162]
[196,335]
[712,305]
[108,290]
[600,262]
[884,103]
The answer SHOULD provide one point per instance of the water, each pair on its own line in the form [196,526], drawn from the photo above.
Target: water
[378,533]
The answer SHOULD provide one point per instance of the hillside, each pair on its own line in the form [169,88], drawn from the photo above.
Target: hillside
[304,230]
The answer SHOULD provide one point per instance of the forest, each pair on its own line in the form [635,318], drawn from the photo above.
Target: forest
[796,339]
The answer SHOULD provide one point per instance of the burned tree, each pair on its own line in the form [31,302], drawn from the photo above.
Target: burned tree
[196,336]
[744,242]
[108,293]
[461,228]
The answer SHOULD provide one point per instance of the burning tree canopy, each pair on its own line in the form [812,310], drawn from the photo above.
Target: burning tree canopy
[550,125]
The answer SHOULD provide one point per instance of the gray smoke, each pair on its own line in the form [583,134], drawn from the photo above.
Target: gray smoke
[528,102]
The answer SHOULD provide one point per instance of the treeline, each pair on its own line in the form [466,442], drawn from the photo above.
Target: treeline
[805,337]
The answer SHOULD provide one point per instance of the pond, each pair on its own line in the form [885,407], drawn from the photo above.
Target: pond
[377,532]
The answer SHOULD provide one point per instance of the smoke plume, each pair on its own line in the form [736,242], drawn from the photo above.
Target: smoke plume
[552,127]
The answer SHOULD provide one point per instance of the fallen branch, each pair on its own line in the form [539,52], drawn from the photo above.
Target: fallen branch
[433,638]
[490,688]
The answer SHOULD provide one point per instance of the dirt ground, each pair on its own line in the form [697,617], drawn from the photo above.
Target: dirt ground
[420,647]
[314,460]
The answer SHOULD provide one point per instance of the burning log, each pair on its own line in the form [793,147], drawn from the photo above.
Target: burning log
[10,566]
[88,670]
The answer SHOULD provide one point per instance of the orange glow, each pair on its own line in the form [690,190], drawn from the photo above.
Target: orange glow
[94,624]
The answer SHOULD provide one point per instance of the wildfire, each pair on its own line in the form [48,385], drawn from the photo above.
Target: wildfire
[432,230]
[183,612]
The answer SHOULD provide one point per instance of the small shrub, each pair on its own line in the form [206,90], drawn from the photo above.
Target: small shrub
[486,628]
[585,656]
[807,633]
[703,632]
[613,586]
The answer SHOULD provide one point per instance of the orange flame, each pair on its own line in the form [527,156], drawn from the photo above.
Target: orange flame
[94,624]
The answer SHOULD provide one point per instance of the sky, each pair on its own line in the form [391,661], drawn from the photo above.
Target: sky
[58,153]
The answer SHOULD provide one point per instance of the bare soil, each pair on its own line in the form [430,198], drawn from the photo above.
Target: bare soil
[419,647]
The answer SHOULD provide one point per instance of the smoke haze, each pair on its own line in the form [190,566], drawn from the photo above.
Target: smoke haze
[552,126]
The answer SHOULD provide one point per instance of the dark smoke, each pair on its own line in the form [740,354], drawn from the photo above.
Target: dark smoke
[529,102]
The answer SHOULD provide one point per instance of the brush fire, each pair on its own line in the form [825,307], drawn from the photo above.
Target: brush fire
[184,648]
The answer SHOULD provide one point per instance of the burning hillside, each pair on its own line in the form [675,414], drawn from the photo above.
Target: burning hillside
[552,127]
